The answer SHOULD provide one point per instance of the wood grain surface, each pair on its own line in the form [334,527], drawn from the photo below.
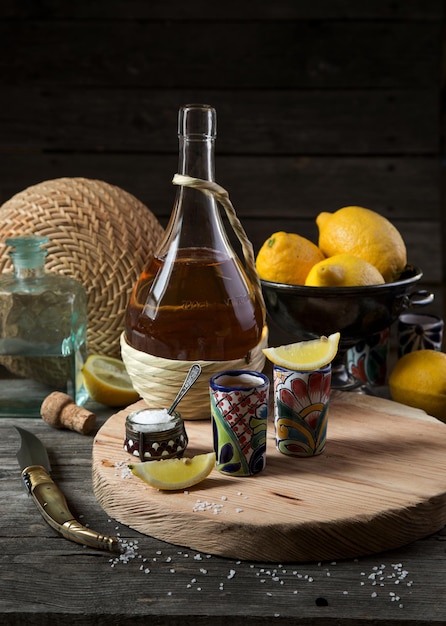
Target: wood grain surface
[380,484]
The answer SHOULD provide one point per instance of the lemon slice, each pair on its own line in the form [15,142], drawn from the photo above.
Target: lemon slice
[172,474]
[305,355]
[107,381]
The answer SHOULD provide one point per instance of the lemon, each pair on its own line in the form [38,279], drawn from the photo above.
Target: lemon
[343,270]
[305,355]
[172,474]
[287,258]
[366,234]
[107,381]
[418,379]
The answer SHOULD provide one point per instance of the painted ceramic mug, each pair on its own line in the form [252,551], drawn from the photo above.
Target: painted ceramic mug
[301,400]
[367,360]
[419,332]
[239,410]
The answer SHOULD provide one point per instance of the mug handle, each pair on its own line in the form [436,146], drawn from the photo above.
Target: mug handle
[420,298]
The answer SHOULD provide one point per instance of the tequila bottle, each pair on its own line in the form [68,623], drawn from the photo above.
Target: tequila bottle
[194,301]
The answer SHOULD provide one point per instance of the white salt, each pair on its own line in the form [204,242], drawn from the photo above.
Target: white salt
[152,420]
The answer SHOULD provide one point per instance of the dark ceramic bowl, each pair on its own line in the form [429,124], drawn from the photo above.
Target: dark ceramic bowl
[356,312]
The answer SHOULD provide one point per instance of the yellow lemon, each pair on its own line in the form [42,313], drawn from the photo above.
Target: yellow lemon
[305,355]
[172,474]
[419,380]
[107,381]
[343,270]
[287,258]
[366,234]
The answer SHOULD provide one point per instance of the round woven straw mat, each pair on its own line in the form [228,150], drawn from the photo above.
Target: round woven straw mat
[99,234]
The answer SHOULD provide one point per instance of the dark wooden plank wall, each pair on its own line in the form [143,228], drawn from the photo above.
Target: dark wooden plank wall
[320,104]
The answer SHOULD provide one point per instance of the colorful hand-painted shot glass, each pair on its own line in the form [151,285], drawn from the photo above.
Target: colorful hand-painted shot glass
[301,400]
[239,410]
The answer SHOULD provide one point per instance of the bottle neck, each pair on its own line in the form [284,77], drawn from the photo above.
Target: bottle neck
[27,273]
[195,221]
[196,157]
[28,256]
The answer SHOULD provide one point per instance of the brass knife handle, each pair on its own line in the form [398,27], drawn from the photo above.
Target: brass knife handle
[52,505]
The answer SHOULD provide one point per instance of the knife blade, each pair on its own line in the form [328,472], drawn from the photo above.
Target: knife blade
[49,499]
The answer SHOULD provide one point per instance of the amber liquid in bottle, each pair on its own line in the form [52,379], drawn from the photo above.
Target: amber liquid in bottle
[194,301]
[207,313]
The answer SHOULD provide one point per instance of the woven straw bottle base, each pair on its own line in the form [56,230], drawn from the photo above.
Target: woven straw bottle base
[158,380]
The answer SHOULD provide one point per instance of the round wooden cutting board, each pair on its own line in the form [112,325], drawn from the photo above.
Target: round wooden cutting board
[380,484]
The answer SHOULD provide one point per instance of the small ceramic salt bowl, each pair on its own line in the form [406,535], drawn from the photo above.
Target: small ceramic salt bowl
[156,433]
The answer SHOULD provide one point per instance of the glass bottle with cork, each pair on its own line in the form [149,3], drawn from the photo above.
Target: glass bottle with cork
[43,331]
[195,300]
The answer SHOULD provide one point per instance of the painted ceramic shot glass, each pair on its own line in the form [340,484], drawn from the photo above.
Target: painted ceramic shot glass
[301,400]
[417,331]
[367,360]
[239,410]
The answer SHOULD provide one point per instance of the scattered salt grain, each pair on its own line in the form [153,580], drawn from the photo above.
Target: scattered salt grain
[129,551]
[207,506]
[122,469]
[377,576]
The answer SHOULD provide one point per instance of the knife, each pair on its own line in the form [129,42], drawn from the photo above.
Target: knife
[35,466]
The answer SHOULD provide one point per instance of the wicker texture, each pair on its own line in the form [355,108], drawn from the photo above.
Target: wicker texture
[99,234]
[158,380]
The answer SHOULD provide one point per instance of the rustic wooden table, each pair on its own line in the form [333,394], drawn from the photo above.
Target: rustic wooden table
[45,579]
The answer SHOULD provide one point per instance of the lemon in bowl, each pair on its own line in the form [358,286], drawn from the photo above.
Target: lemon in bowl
[287,258]
[365,234]
[343,270]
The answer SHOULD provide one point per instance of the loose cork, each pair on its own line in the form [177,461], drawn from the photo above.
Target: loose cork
[59,411]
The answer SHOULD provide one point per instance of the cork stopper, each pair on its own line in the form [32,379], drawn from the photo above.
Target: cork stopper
[59,411]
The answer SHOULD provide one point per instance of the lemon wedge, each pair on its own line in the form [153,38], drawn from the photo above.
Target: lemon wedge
[172,474]
[305,355]
[107,381]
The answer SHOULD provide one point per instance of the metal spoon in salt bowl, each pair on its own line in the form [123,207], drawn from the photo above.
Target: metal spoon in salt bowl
[191,377]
